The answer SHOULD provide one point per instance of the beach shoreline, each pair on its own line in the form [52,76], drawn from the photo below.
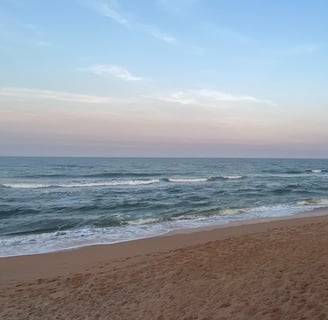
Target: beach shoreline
[307,212]
[161,243]
[273,269]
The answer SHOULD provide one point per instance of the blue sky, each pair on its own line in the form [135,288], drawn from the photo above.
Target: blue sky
[164,78]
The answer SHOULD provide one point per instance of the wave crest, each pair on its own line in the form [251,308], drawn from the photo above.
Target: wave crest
[209,179]
[80,185]
[309,202]
[186,180]
[25,185]
[232,177]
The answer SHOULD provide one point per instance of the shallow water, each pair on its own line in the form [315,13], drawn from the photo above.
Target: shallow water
[48,204]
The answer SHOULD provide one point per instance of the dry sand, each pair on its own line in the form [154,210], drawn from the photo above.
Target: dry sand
[271,270]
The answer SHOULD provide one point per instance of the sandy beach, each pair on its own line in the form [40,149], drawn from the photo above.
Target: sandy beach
[261,270]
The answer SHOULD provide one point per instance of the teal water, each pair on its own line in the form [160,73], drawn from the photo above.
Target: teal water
[49,204]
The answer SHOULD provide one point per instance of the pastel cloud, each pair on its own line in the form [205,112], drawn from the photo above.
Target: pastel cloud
[208,98]
[109,12]
[53,95]
[112,70]
[160,35]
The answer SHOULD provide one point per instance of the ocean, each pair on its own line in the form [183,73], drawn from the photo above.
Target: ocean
[51,204]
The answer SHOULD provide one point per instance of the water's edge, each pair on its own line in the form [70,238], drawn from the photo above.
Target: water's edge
[316,212]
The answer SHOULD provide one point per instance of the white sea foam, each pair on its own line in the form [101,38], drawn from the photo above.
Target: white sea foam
[313,202]
[141,182]
[263,211]
[142,228]
[232,177]
[58,241]
[110,183]
[81,185]
[187,180]
[138,222]
[26,185]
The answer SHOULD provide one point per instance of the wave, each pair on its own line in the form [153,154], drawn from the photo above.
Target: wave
[141,175]
[313,202]
[186,180]
[80,185]
[111,183]
[295,171]
[209,179]
[114,229]
[25,185]
[137,182]
[316,171]
[144,221]
[232,177]
[121,174]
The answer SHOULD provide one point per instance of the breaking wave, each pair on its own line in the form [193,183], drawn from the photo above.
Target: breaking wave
[212,178]
[232,177]
[187,180]
[80,185]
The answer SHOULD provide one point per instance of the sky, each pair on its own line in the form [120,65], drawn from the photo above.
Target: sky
[164,78]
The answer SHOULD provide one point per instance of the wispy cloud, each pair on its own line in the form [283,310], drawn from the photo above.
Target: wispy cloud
[201,97]
[107,11]
[207,97]
[115,71]
[16,92]
[110,12]
[159,35]
[16,32]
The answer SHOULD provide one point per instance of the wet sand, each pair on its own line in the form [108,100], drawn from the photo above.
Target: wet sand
[264,270]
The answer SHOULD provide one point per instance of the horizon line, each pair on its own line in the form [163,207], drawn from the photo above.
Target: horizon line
[163,157]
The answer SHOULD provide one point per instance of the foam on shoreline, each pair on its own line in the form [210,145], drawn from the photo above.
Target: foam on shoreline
[85,237]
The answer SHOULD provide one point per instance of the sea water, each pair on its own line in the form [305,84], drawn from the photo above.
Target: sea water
[50,204]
